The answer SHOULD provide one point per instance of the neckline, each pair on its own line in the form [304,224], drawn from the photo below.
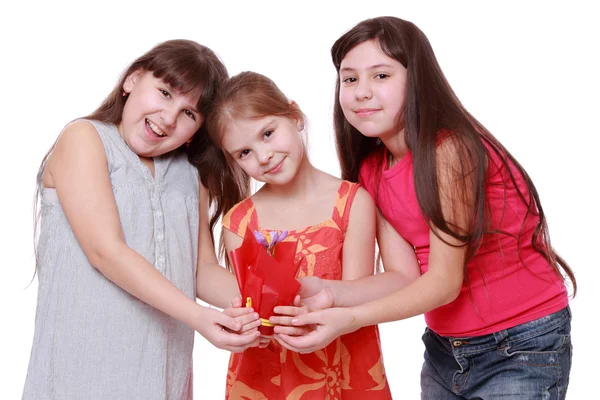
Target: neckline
[396,168]
[318,225]
[144,169]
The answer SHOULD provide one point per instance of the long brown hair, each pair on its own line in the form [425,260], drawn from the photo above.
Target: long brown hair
[247,95]
[431,107]
[186,66]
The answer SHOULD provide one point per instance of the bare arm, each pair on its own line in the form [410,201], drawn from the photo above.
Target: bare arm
[440,285]
[214,284]
[78,171]
[359,243]
[400,264]
[442,282]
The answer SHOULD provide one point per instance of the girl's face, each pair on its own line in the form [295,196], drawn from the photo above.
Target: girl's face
[372,87]
[268,149]
[156,118]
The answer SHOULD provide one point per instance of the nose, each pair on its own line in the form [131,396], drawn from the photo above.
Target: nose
[264,155]
[169,115]
[363,90]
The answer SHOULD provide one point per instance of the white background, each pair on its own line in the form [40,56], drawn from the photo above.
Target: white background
[527,70]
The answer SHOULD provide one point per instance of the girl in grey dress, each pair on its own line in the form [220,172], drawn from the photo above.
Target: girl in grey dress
[117,253]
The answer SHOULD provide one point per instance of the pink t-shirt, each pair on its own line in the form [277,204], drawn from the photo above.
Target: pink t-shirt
[506,291]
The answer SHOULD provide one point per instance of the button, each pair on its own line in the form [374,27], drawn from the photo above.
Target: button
[160,237]
[161,261]
[158,214]
[458,343]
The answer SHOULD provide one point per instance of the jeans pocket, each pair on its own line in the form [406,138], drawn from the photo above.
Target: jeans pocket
[545,348]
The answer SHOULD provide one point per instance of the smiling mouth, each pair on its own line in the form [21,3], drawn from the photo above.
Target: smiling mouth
[365,112]
[154,128]
[276,168]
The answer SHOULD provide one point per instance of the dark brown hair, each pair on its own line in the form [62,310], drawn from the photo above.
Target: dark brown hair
[185,66]
[431,107]
[247,95]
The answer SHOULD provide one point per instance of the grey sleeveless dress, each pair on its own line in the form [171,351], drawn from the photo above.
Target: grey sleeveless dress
[92,339]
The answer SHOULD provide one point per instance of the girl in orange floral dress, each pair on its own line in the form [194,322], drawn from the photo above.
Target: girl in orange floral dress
[259,134]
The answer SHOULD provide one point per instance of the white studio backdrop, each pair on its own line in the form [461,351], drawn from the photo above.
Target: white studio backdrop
[526,70]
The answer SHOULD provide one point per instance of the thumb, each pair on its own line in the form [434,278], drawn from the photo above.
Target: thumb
[227,322]
[236,302]
[297,301]
[310,285]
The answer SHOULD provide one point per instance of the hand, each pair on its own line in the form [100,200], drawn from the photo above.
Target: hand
[249,319]
[328,325]
[316,293]
[218,328]
[263,341]
[283,322]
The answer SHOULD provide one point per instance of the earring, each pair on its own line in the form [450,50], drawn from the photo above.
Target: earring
[124,93]
[301,127]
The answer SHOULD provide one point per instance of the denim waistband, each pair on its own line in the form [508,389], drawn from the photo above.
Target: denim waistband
[519,332]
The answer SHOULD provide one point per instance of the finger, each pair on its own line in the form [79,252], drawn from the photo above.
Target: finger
[311,341]
[249,327]
[283,340]
[264,341]
[280,320]
[231,340]
[297,301]
[247,318]
[292,330]
[290,310]
[239,311]
[308,319]
[310,285]
[236,302]
[227,322]
[241,349]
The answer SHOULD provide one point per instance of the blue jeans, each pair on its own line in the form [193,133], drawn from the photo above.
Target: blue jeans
[528,361]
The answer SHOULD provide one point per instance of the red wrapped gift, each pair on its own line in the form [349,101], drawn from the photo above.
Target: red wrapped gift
[266,268]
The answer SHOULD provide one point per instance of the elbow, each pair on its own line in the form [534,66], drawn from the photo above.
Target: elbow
[451,293]
[103,257]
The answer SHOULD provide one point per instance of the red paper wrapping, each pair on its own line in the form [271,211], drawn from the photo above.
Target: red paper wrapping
[268,281]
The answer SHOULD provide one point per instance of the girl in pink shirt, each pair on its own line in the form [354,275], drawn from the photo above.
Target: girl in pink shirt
[487,279]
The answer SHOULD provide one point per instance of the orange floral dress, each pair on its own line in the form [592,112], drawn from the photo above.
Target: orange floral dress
[351,367]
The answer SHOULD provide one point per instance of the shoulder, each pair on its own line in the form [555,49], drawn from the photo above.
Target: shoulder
[463,147]
[78,139]
[362,201]
[352,201]
[78,130]
[237,219]
[368,169]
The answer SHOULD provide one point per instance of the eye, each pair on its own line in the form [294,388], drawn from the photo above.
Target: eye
[165,93]
[243,153]
[189,114]
[350,79]
[382,76]
[268,134]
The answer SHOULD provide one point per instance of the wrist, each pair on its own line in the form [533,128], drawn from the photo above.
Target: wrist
[196,317]
[334,290]
[358,320]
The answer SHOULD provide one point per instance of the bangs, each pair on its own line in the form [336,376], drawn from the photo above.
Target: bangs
[187,74]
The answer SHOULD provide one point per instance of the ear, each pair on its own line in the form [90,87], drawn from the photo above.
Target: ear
[131,80]
[300,120]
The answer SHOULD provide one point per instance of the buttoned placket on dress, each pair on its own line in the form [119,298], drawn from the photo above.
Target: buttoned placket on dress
[154,186]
